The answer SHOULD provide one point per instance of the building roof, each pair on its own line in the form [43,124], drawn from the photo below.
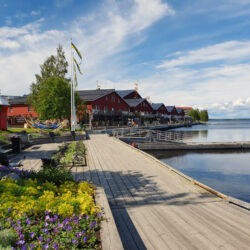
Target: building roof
[184,108]
[169,108]
[17,99]
[156,106]
[3,102]
[92,95]
[123,93]
[134,102]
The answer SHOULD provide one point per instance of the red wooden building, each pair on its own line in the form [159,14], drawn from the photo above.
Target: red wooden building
[172,112]
[3,113]
[19,109]
[180,112]
[140,107]
[159,109]
[105,106]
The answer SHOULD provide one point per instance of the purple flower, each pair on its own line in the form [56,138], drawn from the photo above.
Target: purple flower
[93,224]
[85,239]
[31,210]
[69,228]
[55,245]
[32,235]
[19,222]
[65,222]
[40,238]
[46,231]
[0,227]
[99,214]
[48,239]
[21,236]
[47,217]
[60,225]
[78,235]
[9,209]
[46,224]
[24,247]
[74,241]
[55,217]
[87,217]
[28,221]
[20,242]
[52,220]
[32,246]
[47,212]
[46,246]
[55,230]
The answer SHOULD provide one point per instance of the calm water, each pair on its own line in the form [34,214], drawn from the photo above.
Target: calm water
[218,131]
[227,172]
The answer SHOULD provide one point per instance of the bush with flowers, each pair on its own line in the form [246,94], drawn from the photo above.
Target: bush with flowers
[46,215]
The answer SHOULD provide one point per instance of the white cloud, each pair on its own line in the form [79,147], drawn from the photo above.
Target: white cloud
[99,36]
[230,50]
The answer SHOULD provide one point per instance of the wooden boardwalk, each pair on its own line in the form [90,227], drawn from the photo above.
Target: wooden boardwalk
[155,208]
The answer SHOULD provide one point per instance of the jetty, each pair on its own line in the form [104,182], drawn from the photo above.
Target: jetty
[157,207]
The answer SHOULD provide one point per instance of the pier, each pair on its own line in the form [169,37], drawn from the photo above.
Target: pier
[157,207]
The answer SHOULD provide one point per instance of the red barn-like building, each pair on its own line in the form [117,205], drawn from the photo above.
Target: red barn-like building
[19,109]
[3,113]
[159,108]
[105,106]
[140,106]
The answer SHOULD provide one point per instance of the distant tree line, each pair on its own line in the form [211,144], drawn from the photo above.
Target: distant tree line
[199,115]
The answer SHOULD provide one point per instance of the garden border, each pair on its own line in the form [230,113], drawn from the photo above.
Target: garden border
[110,238]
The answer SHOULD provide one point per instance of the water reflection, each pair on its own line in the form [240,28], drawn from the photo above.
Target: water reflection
[225,171]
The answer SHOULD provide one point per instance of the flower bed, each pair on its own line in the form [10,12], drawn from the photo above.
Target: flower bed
[38,214]
[73,153]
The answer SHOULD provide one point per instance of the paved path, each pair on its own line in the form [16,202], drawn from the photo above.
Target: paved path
[31,157]
[154,208]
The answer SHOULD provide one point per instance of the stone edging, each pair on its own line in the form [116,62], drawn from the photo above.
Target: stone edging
[242,204]
[110,238]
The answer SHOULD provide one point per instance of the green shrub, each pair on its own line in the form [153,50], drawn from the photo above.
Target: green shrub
[57,176]
[7,238]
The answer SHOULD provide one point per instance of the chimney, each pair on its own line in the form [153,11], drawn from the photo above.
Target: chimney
[136,87]
[149,99]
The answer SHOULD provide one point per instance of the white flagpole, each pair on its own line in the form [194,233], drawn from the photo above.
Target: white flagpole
[71,90]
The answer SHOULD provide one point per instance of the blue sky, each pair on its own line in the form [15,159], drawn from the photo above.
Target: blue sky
[184,53]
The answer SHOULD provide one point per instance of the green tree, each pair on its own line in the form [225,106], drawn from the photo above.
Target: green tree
[204,115]
[195,114]
[50,94]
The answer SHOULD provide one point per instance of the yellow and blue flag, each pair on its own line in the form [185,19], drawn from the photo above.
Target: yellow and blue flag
[76,82]
[77,51]
[78,67]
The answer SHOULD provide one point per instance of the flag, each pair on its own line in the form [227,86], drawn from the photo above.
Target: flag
[77,51]
[78,67]
[76,82]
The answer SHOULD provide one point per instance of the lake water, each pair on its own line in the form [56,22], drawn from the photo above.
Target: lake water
[217,131]
[226,171]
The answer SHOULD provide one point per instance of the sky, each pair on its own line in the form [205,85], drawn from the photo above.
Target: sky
[184,53]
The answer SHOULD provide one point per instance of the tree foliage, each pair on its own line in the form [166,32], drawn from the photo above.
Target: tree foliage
[198,115]
[204,115]
[50,94]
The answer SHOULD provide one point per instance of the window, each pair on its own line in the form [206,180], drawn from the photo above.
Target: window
[113,98]
[11,109]
[119,101]
[29,109]
[106,98]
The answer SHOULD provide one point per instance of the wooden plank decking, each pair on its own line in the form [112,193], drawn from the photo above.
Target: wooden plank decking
[154,208]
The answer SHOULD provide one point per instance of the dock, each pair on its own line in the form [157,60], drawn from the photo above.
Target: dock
[157,207]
